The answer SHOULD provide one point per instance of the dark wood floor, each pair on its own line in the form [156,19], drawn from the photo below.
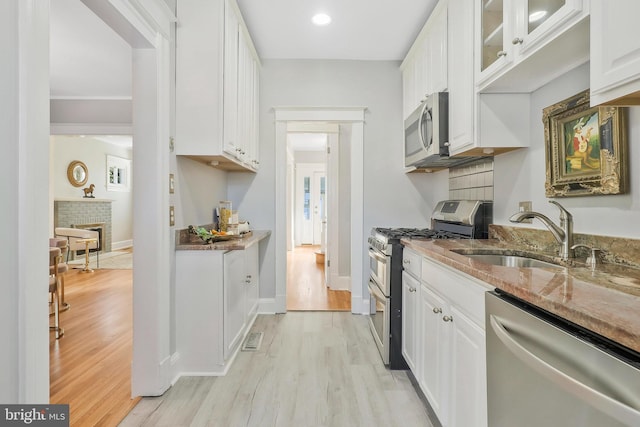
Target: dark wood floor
[306,289]
[90,366]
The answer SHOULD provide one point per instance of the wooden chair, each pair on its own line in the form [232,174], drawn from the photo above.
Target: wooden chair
[62,267]
[55,258]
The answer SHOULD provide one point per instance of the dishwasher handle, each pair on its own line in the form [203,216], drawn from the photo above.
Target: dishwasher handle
[597,399]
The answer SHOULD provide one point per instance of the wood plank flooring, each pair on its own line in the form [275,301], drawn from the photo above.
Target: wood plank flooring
[90,366]
[305,283]
[313,369]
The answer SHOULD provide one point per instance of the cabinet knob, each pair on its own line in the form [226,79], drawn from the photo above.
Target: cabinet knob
[248,276]
[406,261]
[502,53]
[446,144]
[517,40]
[247,281]
[412,289]
[447,318]
[238,150]
[437,310]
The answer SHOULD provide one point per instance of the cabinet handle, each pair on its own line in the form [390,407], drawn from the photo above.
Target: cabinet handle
[446,144]
[406,261]
[437,310]
[447,318]
[502,53]
[517,40]
[412,289]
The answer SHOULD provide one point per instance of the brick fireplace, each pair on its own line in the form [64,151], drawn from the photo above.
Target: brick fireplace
[92,214]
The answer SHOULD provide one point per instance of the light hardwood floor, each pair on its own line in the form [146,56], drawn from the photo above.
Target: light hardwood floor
[306,289]
[90,366]
[313,369]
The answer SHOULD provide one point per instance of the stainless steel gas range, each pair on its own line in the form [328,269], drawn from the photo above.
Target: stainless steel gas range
[451,219]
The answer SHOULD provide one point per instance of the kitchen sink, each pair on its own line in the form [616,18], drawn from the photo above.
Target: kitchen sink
[508,260]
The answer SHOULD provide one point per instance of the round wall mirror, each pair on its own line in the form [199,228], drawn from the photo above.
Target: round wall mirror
[77,173]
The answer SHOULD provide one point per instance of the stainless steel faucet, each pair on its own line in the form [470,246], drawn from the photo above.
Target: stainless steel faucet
[563,233]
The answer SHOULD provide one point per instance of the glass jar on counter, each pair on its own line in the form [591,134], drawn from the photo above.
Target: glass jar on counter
[224,210]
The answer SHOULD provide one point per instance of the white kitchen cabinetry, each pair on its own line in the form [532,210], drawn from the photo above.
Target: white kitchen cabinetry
[216,304]
[457,302]
[424,70]
[412,265]
[479,124]
[434,334]
[615,52]
[240,295]
[524,44]
[448,327]
[216,75]
[410,287]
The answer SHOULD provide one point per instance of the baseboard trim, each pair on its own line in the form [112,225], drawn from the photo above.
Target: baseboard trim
[124,244]
[267,306]
[360,305]
[340,283]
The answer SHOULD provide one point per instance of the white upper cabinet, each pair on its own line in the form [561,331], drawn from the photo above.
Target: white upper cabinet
[479,124]
[615,52]
[217,70]
[424,70]
[524,44]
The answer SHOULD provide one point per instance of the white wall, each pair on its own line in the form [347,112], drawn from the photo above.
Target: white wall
[93,153]
[391,198]
[520,175]
[199,188]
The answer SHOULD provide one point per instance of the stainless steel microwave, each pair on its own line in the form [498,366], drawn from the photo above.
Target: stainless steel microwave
[426,133]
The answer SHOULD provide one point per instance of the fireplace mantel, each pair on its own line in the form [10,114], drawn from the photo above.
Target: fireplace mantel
[82,199]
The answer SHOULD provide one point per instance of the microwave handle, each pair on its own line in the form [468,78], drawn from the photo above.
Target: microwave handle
[420,135]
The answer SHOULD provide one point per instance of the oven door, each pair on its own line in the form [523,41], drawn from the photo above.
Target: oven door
[380,269]
[379,319]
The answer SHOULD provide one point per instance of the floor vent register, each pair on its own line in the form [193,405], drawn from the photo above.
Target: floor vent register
[253,341]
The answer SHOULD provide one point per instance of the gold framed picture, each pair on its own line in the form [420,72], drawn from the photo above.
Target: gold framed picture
[585,148]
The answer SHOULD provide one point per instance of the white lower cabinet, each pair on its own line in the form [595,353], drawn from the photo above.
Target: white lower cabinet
[410,287]
[434,342]
[448,326]
[240,295]
[216,304]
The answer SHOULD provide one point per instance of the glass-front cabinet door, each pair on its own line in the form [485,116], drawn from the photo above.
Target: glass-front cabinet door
[539,11]
[539,21]
[492,25]
[509,30]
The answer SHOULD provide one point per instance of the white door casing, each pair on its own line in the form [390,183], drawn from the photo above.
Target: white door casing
[355,116]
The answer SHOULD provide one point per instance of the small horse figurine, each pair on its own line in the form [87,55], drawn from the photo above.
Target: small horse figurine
[88,191]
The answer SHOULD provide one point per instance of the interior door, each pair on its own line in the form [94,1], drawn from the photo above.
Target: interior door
[310,202]
[318,197]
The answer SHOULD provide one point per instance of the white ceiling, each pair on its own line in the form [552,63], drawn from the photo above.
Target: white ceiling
[90,61]
[360,29]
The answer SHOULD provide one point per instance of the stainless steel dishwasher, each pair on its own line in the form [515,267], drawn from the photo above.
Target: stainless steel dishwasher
[545,371]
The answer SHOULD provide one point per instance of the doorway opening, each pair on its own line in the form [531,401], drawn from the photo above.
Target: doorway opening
[313,209]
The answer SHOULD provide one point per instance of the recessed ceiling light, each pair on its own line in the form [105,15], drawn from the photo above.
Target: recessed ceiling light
[321,19]
[536,16]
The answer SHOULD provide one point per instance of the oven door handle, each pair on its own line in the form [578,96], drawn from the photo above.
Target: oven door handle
[375,291]
[377,256]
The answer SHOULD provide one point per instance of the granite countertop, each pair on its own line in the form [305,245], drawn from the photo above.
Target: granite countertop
[605,301]
[189,242]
